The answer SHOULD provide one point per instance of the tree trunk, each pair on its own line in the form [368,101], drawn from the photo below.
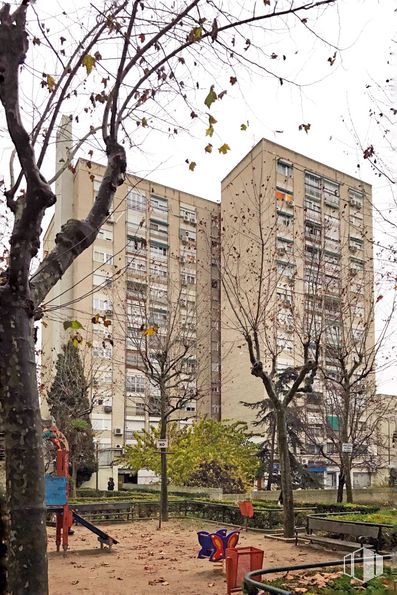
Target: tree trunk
[271,460]
[348,479]
[163,455]
[285,468]
[341,484]
[74,479]
[27,543]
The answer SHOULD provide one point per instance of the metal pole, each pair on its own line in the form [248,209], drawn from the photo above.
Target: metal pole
[97,465]
[160,503]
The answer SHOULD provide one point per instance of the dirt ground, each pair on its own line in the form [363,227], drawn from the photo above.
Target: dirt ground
[150,562]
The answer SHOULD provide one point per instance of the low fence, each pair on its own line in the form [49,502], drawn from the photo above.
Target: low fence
[264,519]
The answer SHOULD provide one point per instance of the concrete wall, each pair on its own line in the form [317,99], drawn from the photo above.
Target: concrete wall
[381,496]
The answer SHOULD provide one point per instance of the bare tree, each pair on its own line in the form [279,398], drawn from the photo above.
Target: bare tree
[258,277]
[160,53]
[166,347]
[349,410]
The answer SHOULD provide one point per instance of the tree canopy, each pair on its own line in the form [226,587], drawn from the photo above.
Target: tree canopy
[205,441]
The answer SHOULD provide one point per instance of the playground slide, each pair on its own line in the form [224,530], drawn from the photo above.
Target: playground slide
[103,537]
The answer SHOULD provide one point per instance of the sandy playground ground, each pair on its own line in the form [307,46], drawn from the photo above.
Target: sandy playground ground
[151,562]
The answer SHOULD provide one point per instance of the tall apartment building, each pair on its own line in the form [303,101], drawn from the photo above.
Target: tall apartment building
[155,255]
[316,229]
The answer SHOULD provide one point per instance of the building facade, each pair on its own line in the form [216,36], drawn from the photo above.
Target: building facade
[297,237]
[151,263]
[305,226]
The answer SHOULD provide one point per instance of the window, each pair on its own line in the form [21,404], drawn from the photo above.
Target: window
[356,198]
[158,251]
[159,270]
[312,185]
[312,205]
[333,334]
[284,344]
[136,200]
[283,195]
[133,358]
[102,350]
[331,193]
[186,235]
[158,295]
[356,266]
[284,296]
[101,303]
[105,234]
[136,265]
[188,215]
[159,228]
[284,168]
[103,423]
[188,279]
[358,335]
[284,247]
[284,220]
[285,269]
[136,244]
[135,383]
[101,278]
[103,377]
[312,209]
[356,244]
[312,232]
[158,317]
[105,257]
[159,204]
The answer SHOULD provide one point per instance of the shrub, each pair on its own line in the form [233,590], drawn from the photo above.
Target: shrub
[217,475]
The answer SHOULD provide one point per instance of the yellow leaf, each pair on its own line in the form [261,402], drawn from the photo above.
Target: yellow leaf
[244,126]
[89,62]
[195,34]
[144,122]
[192,165]
[208,148]
[50,82]
[211,97]
[150,331]
[210,131]
[224,149]
[75,343]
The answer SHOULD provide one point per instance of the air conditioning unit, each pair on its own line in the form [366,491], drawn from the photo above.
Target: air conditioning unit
[305,461]
[108,409]
[355,203]
[118,431]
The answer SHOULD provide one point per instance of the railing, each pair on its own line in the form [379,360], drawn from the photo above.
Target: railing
[263,519]
[252,586]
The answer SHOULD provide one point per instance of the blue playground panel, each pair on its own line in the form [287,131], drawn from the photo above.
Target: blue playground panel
[55,490]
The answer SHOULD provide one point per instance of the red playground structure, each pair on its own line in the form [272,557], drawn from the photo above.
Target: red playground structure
[57,495]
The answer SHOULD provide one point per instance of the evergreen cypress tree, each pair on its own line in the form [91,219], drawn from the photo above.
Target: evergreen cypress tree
[70,407]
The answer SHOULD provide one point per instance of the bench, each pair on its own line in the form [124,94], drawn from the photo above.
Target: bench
[359,533]
[106,511]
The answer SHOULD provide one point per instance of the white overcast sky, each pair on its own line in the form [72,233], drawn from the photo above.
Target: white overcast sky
[336,106]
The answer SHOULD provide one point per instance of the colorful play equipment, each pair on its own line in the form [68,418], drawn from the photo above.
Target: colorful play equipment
[214,545]
[246,511]
[239,561]
[57,495]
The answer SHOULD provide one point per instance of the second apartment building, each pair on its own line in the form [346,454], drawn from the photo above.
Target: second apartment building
[155,255]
